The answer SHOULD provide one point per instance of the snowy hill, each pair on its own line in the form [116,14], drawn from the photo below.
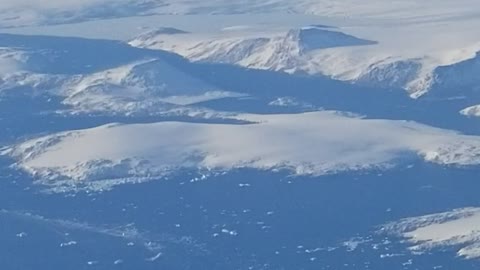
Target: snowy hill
[279,52]
[146,87]
[142,87]
[109,155]
[405,45]
[380,59]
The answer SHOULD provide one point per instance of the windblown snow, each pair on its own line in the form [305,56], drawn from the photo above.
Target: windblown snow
[307,144]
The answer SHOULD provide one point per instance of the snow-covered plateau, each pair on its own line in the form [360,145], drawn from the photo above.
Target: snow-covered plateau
[311,143]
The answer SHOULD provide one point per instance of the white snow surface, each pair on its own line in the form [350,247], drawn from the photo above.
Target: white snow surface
[314,143]
[147,87]
[416,57]
[458,228]
[472,111]
[414,45]
[28,12]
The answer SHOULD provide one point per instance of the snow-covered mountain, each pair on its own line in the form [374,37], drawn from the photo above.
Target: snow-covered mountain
[409,45]
[439,52]
[288,52]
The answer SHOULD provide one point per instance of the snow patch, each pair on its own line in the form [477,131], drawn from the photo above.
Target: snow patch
[458,228]
[471,111]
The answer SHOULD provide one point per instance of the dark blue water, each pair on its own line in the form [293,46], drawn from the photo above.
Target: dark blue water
[241,220]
